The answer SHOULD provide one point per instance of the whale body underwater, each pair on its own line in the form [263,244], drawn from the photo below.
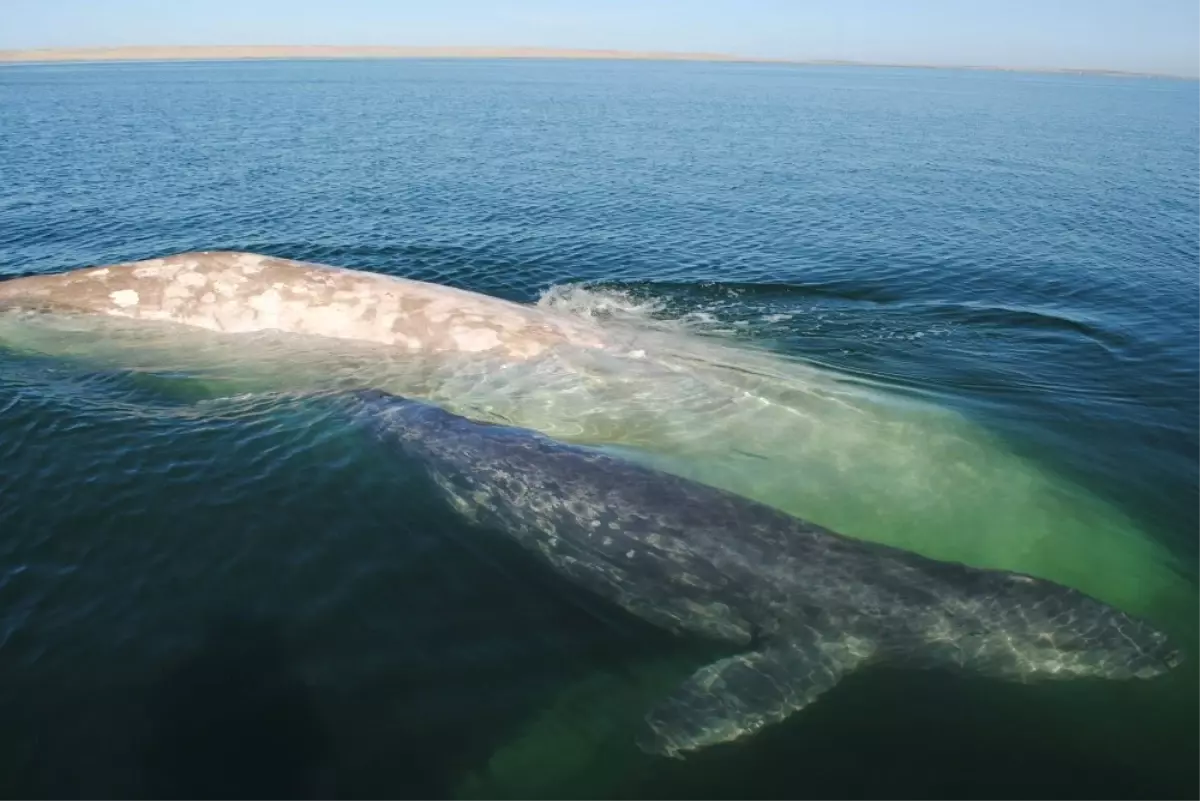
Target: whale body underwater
[875,465]
[804,605]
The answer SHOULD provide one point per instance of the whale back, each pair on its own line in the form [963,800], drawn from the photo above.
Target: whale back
[247,292]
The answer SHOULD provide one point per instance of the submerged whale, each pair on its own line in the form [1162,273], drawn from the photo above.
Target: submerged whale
[803,605]
[876,464]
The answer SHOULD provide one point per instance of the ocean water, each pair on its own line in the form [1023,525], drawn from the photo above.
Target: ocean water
[965,306]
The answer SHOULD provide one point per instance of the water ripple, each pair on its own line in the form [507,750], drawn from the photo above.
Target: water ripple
[1022,248]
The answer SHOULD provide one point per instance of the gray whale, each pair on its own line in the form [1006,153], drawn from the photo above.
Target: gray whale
[875,465]
[803,605]
[236,292]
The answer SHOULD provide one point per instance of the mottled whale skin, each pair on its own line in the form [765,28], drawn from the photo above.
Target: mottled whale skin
[247,292]
[803,605]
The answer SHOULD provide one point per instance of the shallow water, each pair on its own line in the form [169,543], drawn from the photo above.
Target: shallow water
[952,311]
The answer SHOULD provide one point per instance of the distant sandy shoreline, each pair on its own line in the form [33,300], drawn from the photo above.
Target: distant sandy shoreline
[239,52]
[266,52]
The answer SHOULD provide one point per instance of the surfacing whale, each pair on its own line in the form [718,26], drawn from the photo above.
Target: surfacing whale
[803,605]
[236,292]
[876,465]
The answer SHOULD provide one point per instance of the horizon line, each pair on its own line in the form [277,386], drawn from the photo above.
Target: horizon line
[54,55]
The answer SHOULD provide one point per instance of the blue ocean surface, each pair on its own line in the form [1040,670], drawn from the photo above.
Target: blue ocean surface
[206,592]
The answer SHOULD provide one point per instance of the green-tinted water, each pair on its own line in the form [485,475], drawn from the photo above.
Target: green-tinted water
[952,311]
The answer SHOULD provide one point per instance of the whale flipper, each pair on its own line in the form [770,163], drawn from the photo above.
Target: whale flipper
[739,695]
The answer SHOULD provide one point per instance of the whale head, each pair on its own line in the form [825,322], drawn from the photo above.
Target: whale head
[1022,628]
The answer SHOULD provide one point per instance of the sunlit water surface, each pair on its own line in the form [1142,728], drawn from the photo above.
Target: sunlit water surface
[951,311]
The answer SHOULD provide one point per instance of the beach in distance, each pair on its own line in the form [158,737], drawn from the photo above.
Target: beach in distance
[222,52]
[240,52]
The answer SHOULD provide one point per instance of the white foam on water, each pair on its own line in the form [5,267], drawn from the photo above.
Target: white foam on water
[610,305]
[582,300]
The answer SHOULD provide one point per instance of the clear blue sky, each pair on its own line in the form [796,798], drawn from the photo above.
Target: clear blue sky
[1137,35]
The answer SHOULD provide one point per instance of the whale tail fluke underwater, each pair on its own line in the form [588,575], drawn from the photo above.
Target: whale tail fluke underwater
[736,696]
[741,694]
[801,605]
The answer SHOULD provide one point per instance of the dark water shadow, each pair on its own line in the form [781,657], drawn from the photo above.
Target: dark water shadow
[232,720]
[227,718]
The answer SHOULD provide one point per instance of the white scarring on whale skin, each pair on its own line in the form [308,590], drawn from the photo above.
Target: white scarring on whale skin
[246,292]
